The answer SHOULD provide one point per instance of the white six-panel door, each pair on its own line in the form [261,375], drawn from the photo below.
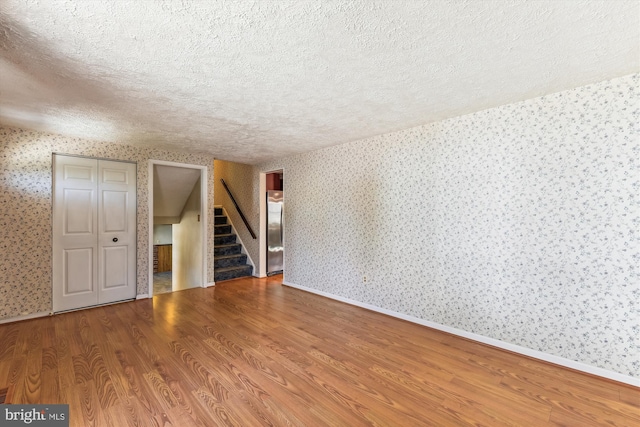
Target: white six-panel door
[94,232]
[116,231]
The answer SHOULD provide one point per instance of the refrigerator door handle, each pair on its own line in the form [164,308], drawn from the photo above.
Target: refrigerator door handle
[281,226]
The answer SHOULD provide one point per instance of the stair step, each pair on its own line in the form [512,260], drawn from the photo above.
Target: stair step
[229,249]
[222,229]
[229,273]
[223,239]
[229,260]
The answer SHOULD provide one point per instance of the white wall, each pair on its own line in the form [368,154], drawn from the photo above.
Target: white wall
[518,223]
[187,244]
[162,234]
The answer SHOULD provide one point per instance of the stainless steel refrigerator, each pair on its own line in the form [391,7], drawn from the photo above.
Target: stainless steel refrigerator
[275,248]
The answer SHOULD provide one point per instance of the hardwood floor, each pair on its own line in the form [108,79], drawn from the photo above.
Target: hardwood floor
[250,352]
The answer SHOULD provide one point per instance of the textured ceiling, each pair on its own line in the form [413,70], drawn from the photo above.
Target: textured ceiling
[248,81]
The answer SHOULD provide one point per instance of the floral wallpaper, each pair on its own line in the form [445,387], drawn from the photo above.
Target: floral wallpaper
[25,211]
[519,223]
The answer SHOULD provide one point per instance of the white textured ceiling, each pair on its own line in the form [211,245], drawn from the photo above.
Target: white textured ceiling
[248,81]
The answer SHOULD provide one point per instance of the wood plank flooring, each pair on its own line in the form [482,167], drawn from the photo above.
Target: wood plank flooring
[250,352]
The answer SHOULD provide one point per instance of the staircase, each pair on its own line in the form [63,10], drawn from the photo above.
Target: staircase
[229,261]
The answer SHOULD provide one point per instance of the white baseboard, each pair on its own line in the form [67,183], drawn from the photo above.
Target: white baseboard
[208,285]
[568,363]
[26,317]
[142,296]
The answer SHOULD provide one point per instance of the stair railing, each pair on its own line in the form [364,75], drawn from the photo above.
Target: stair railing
[238,209]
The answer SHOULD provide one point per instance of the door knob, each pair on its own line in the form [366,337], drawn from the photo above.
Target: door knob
[115,239]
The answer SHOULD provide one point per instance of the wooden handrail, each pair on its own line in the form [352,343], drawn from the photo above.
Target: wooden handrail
[238,209]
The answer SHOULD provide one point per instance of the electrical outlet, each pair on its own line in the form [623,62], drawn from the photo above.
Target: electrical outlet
[364,279]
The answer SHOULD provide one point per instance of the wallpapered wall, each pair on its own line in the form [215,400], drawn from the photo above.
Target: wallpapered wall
[25,211]
[518,223]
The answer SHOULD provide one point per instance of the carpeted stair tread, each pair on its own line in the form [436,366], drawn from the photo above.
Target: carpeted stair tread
[232,268]
[229,261]
[223,239]
[220,219]
[228,273]
[227,249]
[229,256]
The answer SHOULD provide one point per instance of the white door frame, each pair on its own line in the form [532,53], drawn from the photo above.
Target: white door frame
[204,207]
[262,271]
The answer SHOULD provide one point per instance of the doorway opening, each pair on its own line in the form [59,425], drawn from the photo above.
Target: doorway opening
[177,226]
[162,258]
[272,223]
